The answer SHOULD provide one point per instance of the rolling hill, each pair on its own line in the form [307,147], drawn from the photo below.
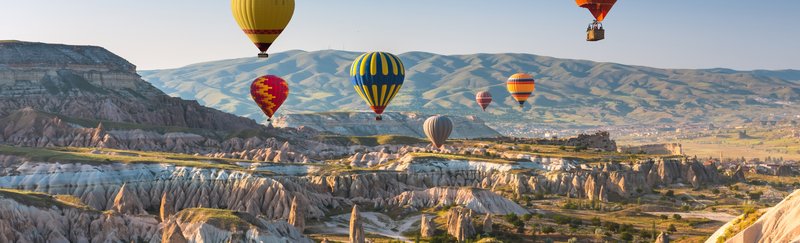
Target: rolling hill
[568,91]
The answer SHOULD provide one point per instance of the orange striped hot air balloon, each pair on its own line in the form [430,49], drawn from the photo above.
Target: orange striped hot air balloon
[521,86]
[262,20]
[599,8]
[484,98]
[269,92]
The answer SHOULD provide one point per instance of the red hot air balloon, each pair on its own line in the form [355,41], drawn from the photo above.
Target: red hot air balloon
[269,92]
[483,98]
[599,9]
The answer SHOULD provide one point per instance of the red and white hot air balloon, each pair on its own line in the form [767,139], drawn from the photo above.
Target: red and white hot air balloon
[484,98]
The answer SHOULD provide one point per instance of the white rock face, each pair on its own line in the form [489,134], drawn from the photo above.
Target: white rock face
[478,200]
[20,222]
[779,224]
[253,230]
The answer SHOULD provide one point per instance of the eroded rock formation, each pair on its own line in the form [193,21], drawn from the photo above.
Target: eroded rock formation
[427,226]
[356,226]
[459,223]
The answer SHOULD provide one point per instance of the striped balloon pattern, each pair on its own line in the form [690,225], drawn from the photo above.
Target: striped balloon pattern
[377,77]
[438,129]
[483,98]
[521,87]
[269,92]
[262,20]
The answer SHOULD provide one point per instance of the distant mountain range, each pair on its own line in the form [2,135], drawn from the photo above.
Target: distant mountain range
[567,91]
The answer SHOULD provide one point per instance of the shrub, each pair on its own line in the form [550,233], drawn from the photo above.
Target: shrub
[596,221]
[672,228]
[626,236]
[676,216]
[670,193]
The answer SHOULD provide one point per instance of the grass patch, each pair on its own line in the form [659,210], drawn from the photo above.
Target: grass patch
[370,140]
[435,156]
[42,200]
[82,155]
[220,218]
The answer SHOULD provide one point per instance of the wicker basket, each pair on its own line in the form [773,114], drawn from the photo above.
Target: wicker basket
[595,34]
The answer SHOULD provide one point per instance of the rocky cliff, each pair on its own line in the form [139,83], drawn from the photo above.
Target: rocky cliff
[89,82]
[364,124]
[779,224]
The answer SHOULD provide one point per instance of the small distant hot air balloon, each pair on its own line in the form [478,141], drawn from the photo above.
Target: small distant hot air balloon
[484,98]
[269,92]
[599,9]
[262,20]
[377,77]
[438,129]
[521,86]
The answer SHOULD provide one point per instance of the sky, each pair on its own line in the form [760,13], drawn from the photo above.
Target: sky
[160,34]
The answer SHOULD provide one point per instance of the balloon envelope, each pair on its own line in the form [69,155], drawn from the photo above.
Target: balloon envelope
[262,20]
[599,8]
[521,86]
[438,129]
[269,92]
[483,98]
[377,77]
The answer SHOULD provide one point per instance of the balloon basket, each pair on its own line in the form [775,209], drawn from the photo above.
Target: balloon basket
[263,55]
[379,118]
[595,34]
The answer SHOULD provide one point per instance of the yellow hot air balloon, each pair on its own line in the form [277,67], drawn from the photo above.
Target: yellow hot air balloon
[521,86]
[262,20]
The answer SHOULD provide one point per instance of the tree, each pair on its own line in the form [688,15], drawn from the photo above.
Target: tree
[626,236]
[672,228]
[755,196]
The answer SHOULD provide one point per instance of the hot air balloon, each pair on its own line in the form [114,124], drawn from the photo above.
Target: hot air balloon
[262,20]
[269,92]
[377,77]
[521,87]
[483,98]
[598,8]
[438,129]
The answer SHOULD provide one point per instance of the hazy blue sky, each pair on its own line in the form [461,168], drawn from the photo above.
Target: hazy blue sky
[739,34]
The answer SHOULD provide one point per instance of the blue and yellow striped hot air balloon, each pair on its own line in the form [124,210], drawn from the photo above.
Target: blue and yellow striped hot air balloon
[377,77]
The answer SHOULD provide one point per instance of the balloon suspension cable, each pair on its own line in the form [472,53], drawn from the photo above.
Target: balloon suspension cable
[263,55]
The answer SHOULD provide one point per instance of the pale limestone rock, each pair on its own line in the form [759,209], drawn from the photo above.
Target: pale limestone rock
[487,224]
[459,223]
[777,224]
[126,202]
[427,226]
[172,232]
[662,238]
[357,234]
[297,213]
[166,208]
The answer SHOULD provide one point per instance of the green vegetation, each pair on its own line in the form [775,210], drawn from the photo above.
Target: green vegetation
[83,155]
[42,200]
[749,217]
[370,140]
[220,218]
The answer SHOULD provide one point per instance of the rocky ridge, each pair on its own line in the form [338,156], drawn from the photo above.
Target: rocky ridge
[363,124]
